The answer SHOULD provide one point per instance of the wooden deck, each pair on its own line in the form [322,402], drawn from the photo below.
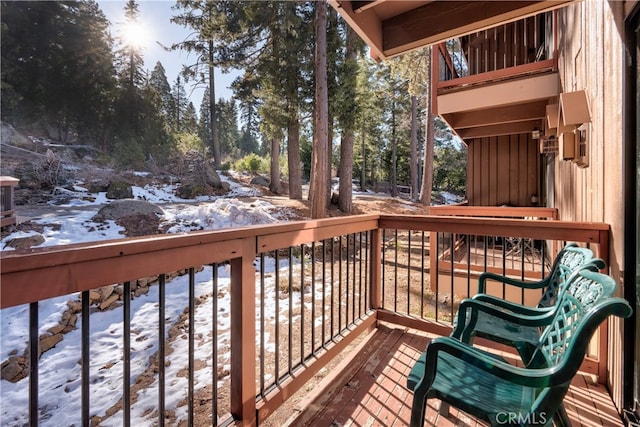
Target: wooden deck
[369,389]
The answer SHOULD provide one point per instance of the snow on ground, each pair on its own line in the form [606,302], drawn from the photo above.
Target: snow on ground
[59,368]
[60,381]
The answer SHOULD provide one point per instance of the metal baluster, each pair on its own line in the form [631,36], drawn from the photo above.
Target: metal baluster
[86,357]
[34,353]
[126,374]
[262,331]
[277,316]
[161,347]
[214,355]
[192,326]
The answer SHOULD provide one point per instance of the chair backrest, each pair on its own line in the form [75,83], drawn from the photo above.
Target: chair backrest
[583,292]
[568,260]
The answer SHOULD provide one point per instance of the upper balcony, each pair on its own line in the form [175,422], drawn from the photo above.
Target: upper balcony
[223,327]
[500,80]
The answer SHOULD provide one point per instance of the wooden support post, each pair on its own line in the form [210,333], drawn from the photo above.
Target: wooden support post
[243,335]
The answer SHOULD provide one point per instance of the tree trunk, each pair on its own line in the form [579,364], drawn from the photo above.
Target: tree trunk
[293,151]
[427,177]
[413,163]
[274,186]
[215,143]
[345,168]
[345,202]
[394,154]
[320,134]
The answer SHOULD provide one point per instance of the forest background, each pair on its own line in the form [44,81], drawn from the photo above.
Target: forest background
[308,101]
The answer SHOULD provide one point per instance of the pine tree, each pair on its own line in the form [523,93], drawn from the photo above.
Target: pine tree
[318,187]
[57,66]
[348,111]
[158,81]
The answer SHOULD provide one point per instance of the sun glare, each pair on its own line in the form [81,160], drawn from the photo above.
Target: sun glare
[135,35]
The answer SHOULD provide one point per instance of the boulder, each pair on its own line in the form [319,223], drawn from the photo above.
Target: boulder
[123,208]
[191,191]
[259,180]
[119,190]
[25,242]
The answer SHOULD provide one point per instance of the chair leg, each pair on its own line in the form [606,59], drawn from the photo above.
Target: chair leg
[561,419]
[444,409]
[418,409]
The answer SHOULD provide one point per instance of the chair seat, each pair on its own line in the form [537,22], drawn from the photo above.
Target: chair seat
[505,331]
[473,390]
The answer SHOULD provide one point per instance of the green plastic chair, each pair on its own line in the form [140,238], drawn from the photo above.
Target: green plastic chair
[516,324]
[487,387]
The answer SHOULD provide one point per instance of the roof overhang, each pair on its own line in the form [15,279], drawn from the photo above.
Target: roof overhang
[393,27]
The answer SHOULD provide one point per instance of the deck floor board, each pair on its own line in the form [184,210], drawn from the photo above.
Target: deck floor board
[376,394]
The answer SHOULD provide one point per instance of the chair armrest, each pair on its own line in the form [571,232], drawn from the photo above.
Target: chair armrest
[509,281]
[511,306]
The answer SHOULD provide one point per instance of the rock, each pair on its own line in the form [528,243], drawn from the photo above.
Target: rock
[94,296]
[106,292]
[191,191]
[123,208]
[25,242]
[47,342]
[259,180]
[74,306]
[106,303]
[98,187]
[12,370]
[119,190]
[140,224]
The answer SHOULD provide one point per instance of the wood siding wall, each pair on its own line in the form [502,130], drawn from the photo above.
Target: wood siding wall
[591,57]
[503,170]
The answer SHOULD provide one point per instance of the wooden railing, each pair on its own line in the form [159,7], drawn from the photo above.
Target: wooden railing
[510,50]
[327,281]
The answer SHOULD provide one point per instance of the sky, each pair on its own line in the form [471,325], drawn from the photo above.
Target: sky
[159,31]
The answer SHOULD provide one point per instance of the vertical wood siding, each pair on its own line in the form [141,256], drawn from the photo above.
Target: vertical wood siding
[591,48]
[503,170]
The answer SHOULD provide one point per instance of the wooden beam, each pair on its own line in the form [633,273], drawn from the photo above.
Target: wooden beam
[361,6]
[499,115]
[497,130]
[526,89]
[441,20]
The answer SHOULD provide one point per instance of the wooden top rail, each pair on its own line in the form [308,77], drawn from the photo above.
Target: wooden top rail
[8,181]
[495,211]
[589,232]
[36,274]
[501,74]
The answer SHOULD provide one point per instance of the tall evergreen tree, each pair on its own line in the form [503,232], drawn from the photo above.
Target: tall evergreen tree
[318,188]
[158,81]
[210,22]
[190,119]
[57,66]
[349,110]
[178,106]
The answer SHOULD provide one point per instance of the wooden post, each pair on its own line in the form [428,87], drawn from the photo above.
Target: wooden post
[7,216]
[243,335]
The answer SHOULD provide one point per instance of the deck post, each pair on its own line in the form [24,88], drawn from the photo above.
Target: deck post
[243,335]
[7,216]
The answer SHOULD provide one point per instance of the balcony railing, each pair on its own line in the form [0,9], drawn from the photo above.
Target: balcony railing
[510,50]
[273,305]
